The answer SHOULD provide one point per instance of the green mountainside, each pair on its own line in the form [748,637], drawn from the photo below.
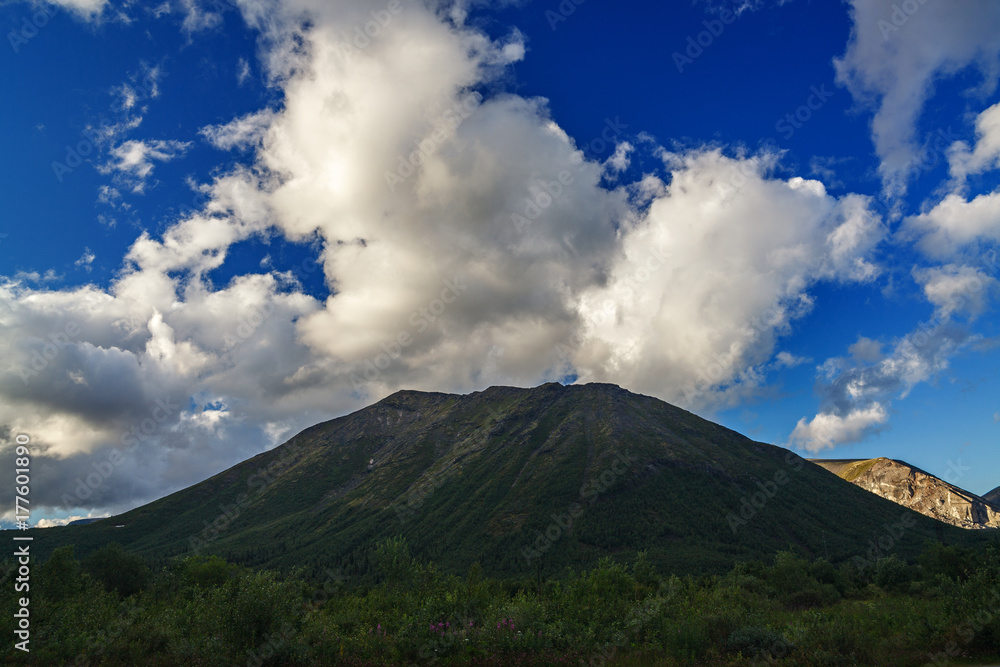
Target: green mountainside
[523,481]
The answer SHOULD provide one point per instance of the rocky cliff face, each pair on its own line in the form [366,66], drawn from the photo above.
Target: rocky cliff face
[918,490]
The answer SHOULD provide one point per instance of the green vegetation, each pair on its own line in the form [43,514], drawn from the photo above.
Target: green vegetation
[858,469]
[112,610]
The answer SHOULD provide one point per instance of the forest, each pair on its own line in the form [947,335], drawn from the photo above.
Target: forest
[113,607]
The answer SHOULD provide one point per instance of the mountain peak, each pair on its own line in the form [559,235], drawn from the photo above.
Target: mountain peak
[916,489]
[517,479]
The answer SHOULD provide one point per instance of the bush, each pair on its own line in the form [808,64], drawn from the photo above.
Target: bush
[756,640]
[256,609]
[892,574]
[59,577]
[119,571]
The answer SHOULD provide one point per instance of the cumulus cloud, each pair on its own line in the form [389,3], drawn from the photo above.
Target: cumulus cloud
[827,430]
[956,289]
[465,241]
[964,161]
[897,51]
[718,268]
[955,224]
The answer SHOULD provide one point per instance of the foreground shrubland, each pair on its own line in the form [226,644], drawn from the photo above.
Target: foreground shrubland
[112,609]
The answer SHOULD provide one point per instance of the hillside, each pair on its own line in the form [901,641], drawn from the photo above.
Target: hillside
[993,497]
[521,480]
[920,491]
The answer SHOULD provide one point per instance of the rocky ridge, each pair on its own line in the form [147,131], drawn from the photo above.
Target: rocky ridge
[918,490]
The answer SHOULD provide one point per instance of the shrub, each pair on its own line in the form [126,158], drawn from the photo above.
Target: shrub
[756,640]
[119,571]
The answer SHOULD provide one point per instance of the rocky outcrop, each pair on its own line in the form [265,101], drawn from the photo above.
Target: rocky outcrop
[918,490]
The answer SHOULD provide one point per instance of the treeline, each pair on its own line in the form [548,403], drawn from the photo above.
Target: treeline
[114,609]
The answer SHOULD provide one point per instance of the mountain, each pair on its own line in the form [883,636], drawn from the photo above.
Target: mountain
[993,497]
[83,522]
[523,481]
[912,487]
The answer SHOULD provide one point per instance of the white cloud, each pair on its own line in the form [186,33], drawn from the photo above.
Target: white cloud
[827,430]
[133,159]
[85,9]
[789,360]
[196,18]
[51,523]
[866,350]
[894,58]
[964,161]
[242,71]
[956,289]
[857,391]
[719,267]
[241,133]
[472,228]
[619,160]
[86,260]
[955,224]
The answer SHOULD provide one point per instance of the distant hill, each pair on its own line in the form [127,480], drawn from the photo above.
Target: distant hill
[83,522]
[993,497]
[911,487]
[524,481]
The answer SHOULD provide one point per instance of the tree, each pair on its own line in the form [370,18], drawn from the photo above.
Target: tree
[120,571]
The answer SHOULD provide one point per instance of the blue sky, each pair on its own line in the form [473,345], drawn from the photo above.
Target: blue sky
[226,221]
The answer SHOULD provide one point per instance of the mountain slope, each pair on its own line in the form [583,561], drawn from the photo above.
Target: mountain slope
[520,480]
[993,497]
[912,487]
